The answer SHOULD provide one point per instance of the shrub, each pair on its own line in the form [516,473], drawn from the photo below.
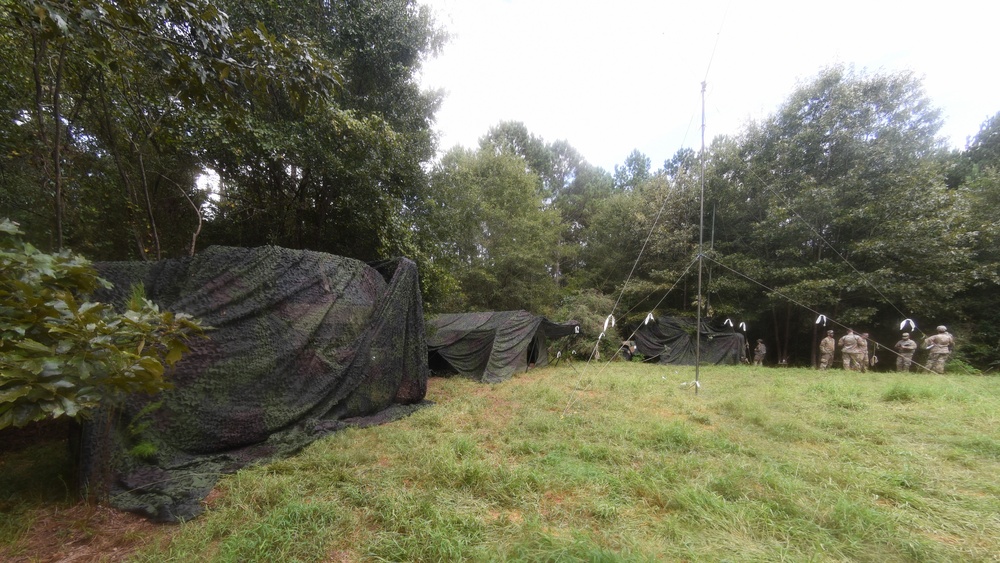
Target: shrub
[63,355]
[956,365]
[591,309]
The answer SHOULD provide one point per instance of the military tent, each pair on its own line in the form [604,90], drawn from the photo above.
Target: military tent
[491,347]
[671,341]
[301,344]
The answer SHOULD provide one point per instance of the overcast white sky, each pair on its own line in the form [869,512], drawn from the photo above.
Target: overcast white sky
[610,76]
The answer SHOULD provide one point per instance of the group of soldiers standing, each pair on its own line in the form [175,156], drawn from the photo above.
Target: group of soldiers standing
[854,350]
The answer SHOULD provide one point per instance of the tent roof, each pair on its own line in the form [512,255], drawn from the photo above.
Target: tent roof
[301,343]
[492,346]
[671,339]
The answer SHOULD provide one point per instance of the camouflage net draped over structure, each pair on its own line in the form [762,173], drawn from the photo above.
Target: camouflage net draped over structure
[491,347]
[671,339]
[302,344]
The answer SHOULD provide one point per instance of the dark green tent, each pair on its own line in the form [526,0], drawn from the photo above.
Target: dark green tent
[491,347]
[671,341]
[302,343]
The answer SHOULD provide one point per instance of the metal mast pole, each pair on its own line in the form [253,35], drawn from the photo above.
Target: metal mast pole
[701,247]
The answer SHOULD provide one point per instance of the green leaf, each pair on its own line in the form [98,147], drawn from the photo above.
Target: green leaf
[33,345]
[9,227]
[89,307]
[25,414]
[151,365]
[71,407]
[6,418]
[83,369]
[12,394]
[176,350]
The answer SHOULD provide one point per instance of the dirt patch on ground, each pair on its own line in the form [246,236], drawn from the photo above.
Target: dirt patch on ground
[84,533]
[60,532]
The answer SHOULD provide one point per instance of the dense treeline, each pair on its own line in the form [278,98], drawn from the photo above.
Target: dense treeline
[308,111]
[845,202]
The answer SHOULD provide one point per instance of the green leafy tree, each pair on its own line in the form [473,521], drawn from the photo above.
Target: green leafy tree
[984,148]
[112,92]
[513,138]
[683,162]
[492,231]
[568,184]
[341,176]
[62,355]
[979,303]
[591,309]
[634,172]
[640,241]
[578,203]
[838,203]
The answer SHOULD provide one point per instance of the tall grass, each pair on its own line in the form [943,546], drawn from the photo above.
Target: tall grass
[619,463]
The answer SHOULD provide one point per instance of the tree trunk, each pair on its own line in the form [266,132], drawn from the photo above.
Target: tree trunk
[197,231]
[57,147]
[148,201]
[90,452]
[813,359]
[131,197]
[786,344]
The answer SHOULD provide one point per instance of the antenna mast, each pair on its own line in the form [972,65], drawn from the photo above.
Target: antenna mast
[701,246]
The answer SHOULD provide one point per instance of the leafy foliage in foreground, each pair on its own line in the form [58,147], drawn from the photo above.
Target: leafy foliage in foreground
[63,355]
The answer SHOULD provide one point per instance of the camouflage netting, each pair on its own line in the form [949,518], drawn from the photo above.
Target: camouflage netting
[671,340]
[303,344]
[491,347]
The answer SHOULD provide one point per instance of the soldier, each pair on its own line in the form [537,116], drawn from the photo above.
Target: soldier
[906,347]
[827,347]
[940,346]
[759,352]
[850,350]
[627,350]
[863,348]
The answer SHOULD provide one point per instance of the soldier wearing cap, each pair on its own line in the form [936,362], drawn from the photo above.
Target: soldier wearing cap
[827,347]
[939,346]
[905,349]
[850,350]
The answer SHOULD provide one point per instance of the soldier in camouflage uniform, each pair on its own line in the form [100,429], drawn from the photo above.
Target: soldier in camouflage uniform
[906,347]
[940,346]
[759,352]
[827,347]
[851,351]
[863,347]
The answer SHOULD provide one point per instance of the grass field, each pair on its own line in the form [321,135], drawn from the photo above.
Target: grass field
[607,463]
